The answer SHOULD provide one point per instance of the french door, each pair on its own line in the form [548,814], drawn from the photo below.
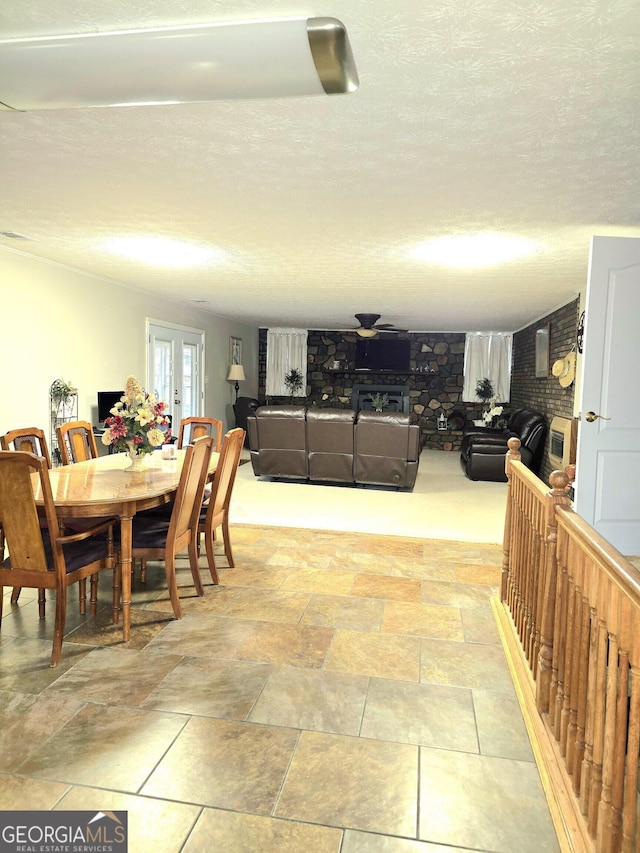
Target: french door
[174,369]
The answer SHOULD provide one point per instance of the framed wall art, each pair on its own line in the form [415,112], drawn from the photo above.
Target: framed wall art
[542,352]
[235,350]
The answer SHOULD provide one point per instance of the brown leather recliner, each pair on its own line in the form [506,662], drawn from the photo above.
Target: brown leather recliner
[330,444]
[370,448]
[278,442]
[387,449]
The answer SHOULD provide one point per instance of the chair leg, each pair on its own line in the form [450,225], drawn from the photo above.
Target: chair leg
[93,594]
[195,567]
[227,542]
[41,603]
[116,592]
[82,595]
[58,628]
[143,570]
[211,560]
[172,585]
[15,594]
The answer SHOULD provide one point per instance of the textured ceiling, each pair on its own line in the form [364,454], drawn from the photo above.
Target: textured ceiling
[508,116]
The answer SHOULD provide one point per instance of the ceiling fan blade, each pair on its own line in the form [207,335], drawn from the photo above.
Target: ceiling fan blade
[384,326]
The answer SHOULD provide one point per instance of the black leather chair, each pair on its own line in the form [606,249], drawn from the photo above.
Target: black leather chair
[483,450]
[242,409]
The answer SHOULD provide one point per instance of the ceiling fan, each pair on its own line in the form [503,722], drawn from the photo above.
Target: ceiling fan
[369,326]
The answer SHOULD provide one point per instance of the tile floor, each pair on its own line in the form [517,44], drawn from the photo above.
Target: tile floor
[337,693]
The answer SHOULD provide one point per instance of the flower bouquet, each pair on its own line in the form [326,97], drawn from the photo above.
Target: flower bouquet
[134,425]
[489,415]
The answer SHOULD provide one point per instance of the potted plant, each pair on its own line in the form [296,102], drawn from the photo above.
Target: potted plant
[484,390]
[380,401]
[294,381]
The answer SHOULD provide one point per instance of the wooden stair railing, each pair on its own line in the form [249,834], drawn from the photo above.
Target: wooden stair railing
[570,618]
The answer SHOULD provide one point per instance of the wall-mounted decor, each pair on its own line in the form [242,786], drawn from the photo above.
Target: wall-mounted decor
[235,350]
[542,352]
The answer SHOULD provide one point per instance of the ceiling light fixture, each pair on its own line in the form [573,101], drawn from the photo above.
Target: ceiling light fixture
[160,251]
[474,250]
[206,62]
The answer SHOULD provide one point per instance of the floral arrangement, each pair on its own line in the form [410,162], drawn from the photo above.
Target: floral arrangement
[136,421]
[489,414]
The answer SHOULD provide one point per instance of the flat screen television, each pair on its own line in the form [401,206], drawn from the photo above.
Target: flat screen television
[106,402]
[385,354]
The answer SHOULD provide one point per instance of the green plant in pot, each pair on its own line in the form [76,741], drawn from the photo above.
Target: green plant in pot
[484,390]
[294,381]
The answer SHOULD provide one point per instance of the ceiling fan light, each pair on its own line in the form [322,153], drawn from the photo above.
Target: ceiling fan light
[367,333]
[206,62]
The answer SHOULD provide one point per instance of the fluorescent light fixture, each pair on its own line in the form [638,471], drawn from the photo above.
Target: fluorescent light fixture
[160,251]
[474,250]
[206,62]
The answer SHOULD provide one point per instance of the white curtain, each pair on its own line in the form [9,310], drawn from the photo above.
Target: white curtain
[286,350]
[487,355]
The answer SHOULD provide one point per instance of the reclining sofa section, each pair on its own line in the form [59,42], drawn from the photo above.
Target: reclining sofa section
[334,445]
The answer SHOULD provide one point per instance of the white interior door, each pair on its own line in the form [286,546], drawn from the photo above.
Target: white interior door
[175,369]
[607,488]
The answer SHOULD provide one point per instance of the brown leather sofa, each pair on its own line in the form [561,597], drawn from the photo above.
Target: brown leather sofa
[334,445]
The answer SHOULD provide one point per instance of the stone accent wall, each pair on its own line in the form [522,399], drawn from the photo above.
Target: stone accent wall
[546,395]
[435,379]
[436,376]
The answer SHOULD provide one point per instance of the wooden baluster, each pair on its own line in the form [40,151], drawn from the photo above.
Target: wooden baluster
[622,613]
[629,810]
[560,642]
[595,787]
[569,634]
[506,542]
[576,645]
[582,702]
[592,683]
[608,753]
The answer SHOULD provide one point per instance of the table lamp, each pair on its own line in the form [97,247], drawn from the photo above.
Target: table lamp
[236,374]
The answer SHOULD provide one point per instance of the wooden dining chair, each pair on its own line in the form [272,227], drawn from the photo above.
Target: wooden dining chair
[29,439]
[42,557]
[157,538]
[215,512]
[192,428]
[76,442]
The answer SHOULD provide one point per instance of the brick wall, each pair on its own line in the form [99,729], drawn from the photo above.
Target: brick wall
[546,394]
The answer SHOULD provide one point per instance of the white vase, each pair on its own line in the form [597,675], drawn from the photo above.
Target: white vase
[137,459]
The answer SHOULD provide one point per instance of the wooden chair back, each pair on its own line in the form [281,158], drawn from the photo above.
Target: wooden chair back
[217,510]
[192,428]
[29,440]
[162,542]
[41,557]
[76,442]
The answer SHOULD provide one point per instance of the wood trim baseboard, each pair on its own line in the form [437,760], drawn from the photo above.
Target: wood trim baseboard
[568,822]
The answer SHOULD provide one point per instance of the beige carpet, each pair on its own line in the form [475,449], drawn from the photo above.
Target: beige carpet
[444,504]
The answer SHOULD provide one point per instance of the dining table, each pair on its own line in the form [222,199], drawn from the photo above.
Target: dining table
[104,487]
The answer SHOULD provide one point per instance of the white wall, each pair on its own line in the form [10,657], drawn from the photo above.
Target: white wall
[59,323]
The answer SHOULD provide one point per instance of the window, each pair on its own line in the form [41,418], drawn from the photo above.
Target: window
[286,350]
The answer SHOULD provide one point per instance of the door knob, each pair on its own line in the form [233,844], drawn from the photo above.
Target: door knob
[590,417]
